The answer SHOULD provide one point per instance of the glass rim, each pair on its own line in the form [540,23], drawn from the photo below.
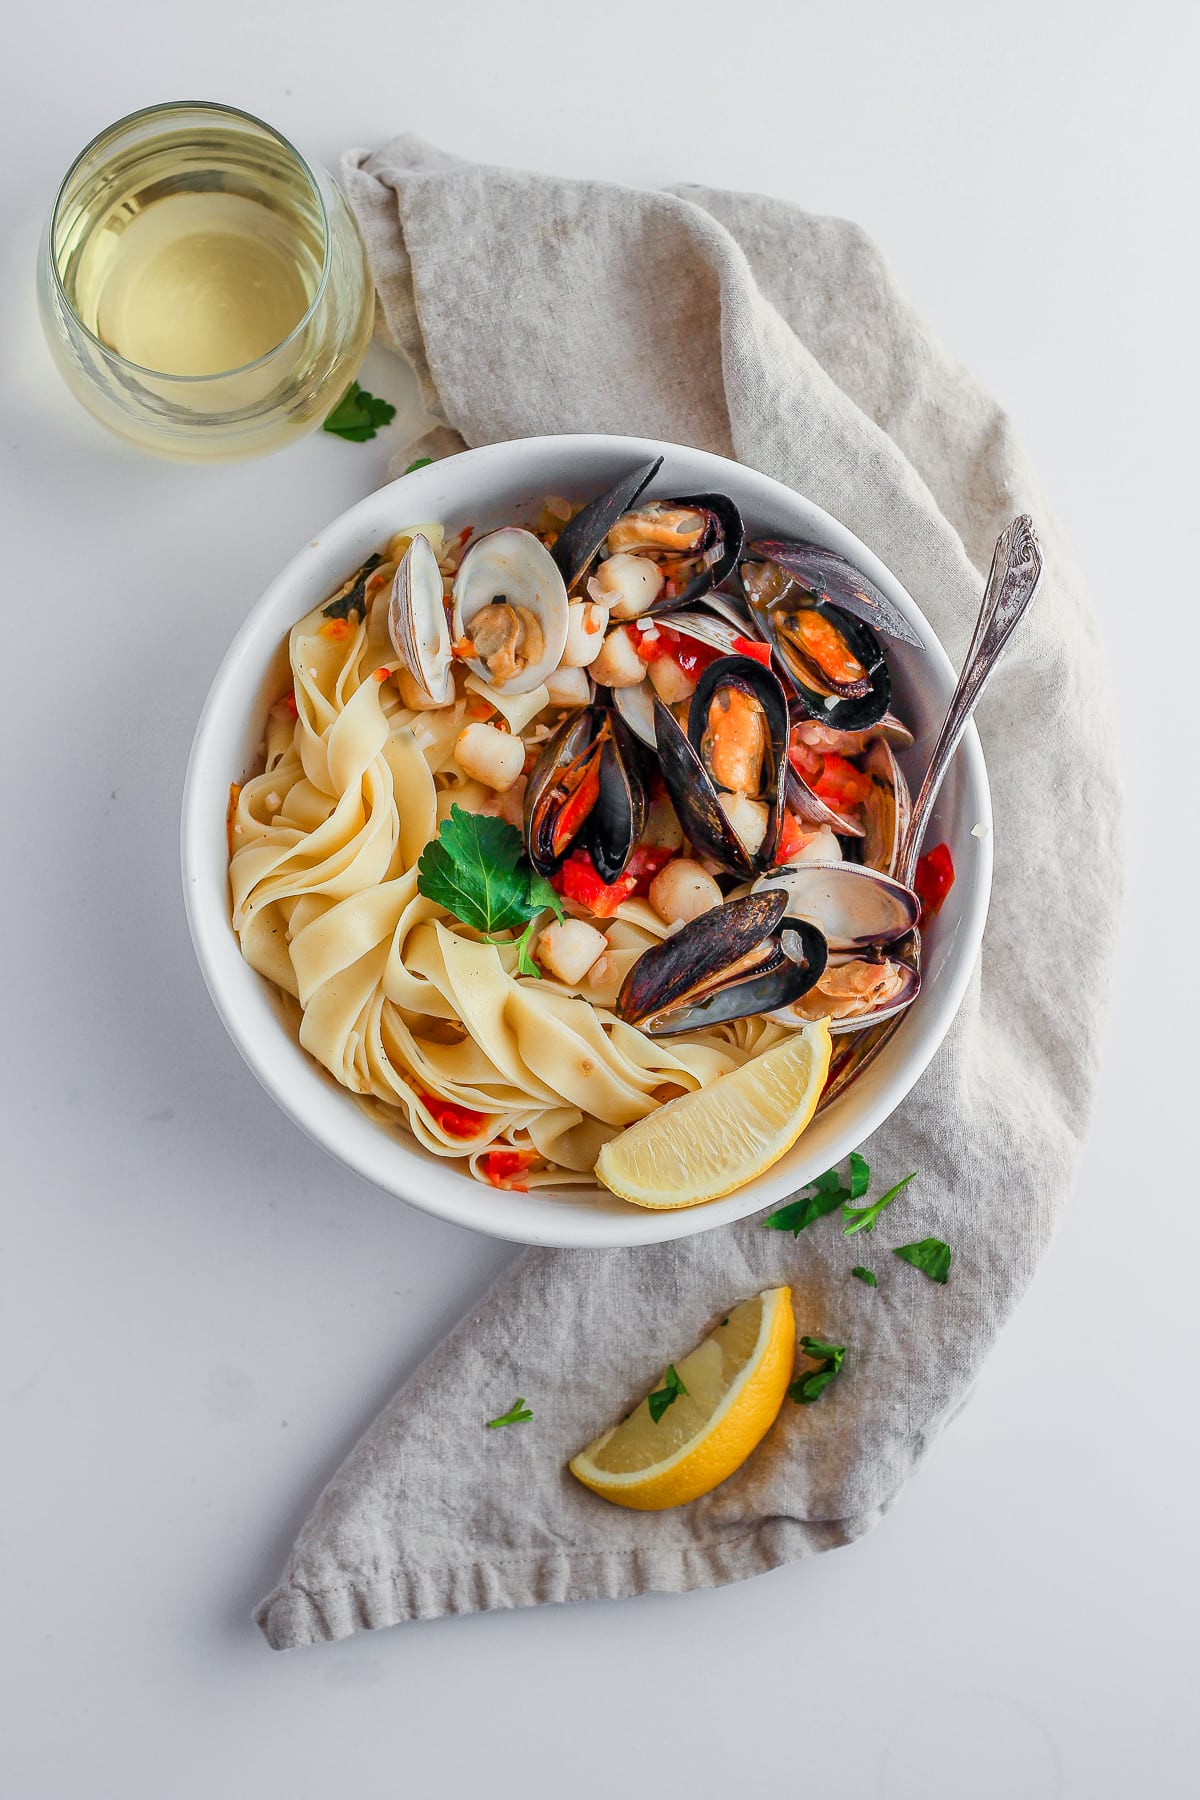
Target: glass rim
[204,106]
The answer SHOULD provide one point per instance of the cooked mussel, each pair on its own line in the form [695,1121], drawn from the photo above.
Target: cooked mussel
[694,539]
[778,564]
[636,704]
[585,791]
[725,772]
[744,957]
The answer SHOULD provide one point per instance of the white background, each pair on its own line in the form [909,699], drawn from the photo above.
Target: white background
[200,1312]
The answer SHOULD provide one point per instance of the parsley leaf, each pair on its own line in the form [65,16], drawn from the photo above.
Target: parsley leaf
[476,868]
[810,1387]
[862,1218]
[359,415]
[517,1414]
[666,1395]
[829,1193]
[864,1275]
[422,462]
[931,1256]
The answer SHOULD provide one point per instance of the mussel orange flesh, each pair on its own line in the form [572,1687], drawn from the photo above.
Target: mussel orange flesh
[735,741]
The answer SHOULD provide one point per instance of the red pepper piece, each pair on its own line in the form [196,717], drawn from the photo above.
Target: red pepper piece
[840,784]
[934,879]
[501,1168]
[455,1121]
[644,865]
[752,647]
[578,880]
[792,836]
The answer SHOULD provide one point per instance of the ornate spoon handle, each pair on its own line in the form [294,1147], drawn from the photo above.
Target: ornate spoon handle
[1011,585]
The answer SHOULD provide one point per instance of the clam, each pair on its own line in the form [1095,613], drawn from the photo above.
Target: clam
[510,601]
[729,763]
[747,956]
[885,810]
[585,791]
[416,621]
[862,915]
[781,563]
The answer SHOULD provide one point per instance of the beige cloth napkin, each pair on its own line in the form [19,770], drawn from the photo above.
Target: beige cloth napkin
[739,324]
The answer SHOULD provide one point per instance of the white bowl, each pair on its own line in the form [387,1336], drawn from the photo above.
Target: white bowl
[484,488]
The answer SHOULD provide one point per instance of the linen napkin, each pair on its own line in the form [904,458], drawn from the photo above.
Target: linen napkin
[739,324]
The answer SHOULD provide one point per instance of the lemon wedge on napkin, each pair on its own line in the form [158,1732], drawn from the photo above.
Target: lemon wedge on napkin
[720,1402]
[708,1143]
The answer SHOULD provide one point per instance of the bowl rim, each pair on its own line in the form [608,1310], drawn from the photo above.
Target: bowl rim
[384,1160]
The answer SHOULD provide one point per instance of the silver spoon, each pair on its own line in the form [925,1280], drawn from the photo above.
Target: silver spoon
[1013,581]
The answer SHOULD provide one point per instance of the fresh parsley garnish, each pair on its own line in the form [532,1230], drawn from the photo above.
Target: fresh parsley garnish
[829,1358]
[422,462]
[864,1275]
[477,869]
[828,1193]
[517,1414]
[353,595]
[931,1256]
[666,1395]
[359,415]
[862,1218]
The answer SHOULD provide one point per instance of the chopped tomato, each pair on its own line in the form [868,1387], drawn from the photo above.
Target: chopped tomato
[692,657]
[337,630]
[479,708]
[751,647]
[455,1121]
[381,675]
[501,1167]
[840,784]
[287,703]
[934,879]
[579,880]
[792,837]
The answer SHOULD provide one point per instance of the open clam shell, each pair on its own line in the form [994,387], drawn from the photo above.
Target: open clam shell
[738,959]
[886,809]
[580,540]
[416,621]
[856,908]
[826,576]
[513,569]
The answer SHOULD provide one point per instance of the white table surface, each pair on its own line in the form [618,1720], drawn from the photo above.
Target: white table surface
[200,1312]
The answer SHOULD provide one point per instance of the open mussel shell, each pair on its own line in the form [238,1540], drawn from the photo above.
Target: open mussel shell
[885,810]
[580,540]
[826,576]
[416,621]
[850,705]
[689,781]
[512,567]
[747,956]
[855,907]
[717,553]
[585,791]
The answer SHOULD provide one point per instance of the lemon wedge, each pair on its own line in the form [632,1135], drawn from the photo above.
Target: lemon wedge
[735,1382]
[708,1143]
